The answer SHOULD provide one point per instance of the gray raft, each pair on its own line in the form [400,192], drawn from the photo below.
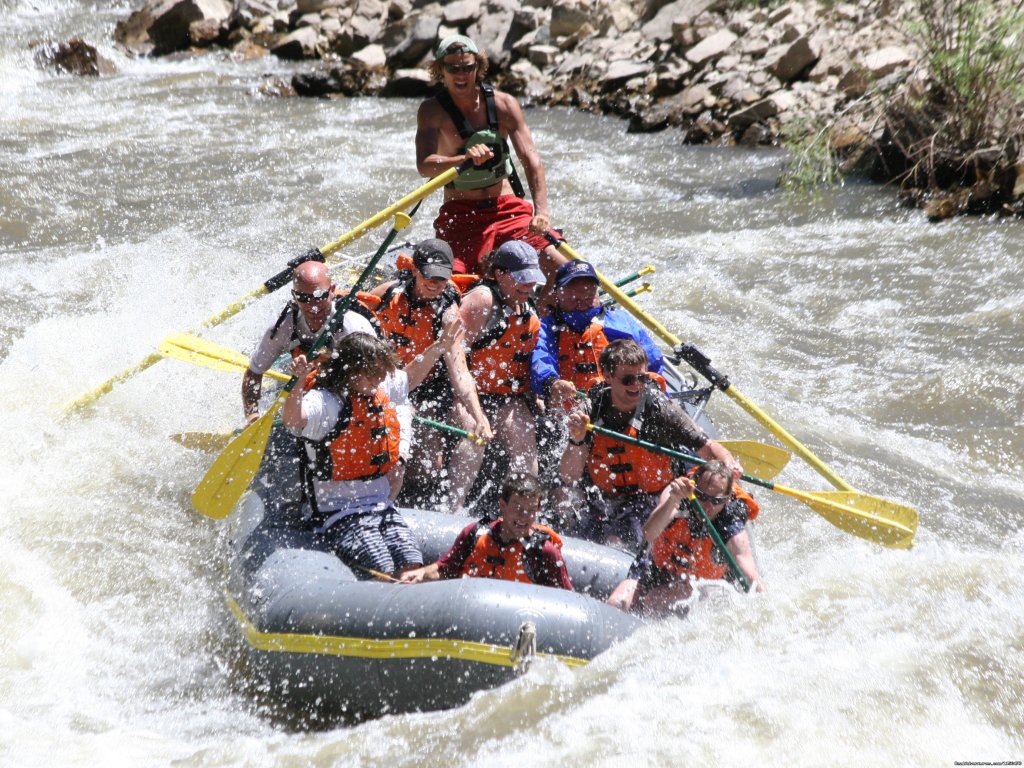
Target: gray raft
[317,637]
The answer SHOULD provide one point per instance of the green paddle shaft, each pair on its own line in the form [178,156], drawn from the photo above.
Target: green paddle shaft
[630,278]
[449,428]
[717,538]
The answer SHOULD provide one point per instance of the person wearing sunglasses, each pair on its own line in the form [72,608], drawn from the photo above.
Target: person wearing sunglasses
[682,549]
[622,482]
[469,119]
[311,306]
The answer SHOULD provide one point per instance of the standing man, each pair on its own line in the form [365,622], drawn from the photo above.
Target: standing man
[469,119]
[311,307]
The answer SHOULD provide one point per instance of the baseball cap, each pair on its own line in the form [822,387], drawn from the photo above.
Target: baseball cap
[521,260]
[574,270]
[433,258]
[455,44]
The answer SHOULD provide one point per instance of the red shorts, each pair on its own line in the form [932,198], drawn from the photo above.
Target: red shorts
[473,228]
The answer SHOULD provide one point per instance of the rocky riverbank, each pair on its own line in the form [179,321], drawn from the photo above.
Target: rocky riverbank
[714,70]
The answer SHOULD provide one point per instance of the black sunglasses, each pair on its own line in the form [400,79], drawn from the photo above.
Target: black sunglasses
[632,378]
[710,499]
[455,69]
[307,298]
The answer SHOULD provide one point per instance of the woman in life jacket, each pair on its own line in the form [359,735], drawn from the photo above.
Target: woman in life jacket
[501,329]
[351,439]
[412,312]
[514,547]
[681,548]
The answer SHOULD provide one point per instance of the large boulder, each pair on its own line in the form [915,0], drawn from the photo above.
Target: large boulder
[300,44]
[410,39]
[789,60]
[659,28]
[169,30]
[711,48]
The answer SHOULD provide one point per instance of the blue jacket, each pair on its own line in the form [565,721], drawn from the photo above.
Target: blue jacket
[618,324]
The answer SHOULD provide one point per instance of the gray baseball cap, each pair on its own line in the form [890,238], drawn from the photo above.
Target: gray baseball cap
[521,260]
[433,258]
[455,44]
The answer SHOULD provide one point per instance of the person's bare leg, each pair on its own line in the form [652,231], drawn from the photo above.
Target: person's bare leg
[465,462]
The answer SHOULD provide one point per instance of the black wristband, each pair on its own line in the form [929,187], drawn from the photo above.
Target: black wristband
[577,443]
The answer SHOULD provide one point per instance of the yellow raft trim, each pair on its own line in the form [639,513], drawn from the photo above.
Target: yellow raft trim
[367,648]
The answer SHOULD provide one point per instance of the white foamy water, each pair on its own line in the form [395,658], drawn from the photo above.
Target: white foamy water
[137,205]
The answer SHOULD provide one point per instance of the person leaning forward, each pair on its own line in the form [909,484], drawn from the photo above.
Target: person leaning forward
[623,480]
[513,547]
[681,546]
[312,305]
[501,329]
[468,119]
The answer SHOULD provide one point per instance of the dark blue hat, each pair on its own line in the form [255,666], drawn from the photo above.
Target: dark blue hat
[521,259]
[574,270]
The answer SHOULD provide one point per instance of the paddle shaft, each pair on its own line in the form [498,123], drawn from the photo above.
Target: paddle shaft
[449,428]
[630,278]
[716,537]
[277,280]
[720,382]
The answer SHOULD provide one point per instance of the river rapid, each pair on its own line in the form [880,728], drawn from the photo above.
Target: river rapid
[136,205]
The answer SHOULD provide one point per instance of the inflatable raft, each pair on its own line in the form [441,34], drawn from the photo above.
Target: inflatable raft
[318,637]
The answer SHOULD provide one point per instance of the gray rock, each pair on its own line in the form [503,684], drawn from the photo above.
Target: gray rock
[543,55]
[461,13]
[372,56]
[315,6]
[491,33]
[755,113]
[711,48]
[169,30]
[680,11]
[568,17]
[885,61]
[407,41]
[620,72]
[408,83]
[793,59]
[300,44]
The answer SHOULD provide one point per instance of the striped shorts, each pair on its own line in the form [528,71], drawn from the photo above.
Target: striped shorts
[378,540]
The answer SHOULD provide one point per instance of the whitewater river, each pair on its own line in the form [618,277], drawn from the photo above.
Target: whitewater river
[137,205]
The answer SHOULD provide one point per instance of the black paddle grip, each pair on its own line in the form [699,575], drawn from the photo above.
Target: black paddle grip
[285,275]
[701,363]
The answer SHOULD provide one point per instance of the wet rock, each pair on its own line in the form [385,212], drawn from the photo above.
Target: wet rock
[74,56]
[371,56]
[300,44]
[172,19]
[408,83]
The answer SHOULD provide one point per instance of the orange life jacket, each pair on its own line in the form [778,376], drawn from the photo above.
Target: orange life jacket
[512,562]
[622,469]
[412,325]
[363,444]
[679,552]
[579,353]
[499,359]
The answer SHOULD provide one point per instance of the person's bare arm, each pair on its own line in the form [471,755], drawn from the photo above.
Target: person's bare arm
[713,449]
[292,415]
[421,574]
[668,502]
[458,373]
[570,469]
[430,158]
[511,117]
[739,548]
[252,388]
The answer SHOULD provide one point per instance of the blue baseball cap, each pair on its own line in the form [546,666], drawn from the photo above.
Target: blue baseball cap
[521,260]
[574,270]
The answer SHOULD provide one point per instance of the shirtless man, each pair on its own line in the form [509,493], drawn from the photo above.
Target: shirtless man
[468,119]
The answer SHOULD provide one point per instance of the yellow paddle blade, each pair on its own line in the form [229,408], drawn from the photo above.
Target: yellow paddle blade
[868,517]
[192,349]
[203,441]
[232,471]
[758,459]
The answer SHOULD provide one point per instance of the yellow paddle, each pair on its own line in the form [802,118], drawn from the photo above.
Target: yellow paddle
[702,365]
[192,349]
[279,279]
[760,459]
[872,519]
[233,470]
